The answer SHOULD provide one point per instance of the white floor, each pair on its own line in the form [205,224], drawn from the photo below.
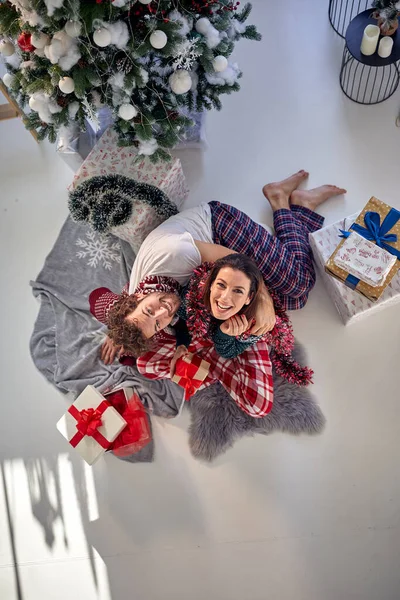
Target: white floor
[276,518]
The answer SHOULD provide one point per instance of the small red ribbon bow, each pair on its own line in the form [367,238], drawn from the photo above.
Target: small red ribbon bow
[89,421]
[186,372]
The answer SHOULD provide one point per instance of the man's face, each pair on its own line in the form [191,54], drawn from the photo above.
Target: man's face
[154,312]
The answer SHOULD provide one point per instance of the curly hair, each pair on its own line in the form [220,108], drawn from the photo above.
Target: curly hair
[125,333]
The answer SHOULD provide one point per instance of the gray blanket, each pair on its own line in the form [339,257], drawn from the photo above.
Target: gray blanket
[66,341]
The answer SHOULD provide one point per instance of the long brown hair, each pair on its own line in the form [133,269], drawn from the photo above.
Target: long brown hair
[245,264]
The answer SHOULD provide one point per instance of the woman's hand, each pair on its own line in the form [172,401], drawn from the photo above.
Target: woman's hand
[179,352]
[235,326]
[109,351]
[265,317]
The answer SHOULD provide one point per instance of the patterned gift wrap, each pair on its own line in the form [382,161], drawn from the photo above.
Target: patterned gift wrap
[380,223]
[350,305]
[190,372]
[364,259]
[107,158]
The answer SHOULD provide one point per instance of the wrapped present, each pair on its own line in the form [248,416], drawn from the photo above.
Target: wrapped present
[194,137]
[380,223]
[91,425]
[137,433]
[143,220]
[74,145]
[351,305]
[365,260]
[107,157]
[190,372]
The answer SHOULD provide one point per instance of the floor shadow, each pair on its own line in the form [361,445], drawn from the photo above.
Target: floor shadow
[39,471]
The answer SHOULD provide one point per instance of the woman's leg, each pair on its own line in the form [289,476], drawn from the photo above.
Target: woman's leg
[285,260]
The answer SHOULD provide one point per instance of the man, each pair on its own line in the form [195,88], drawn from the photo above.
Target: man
[173,250]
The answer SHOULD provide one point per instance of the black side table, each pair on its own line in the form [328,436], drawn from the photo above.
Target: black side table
[368,79]
[341,12]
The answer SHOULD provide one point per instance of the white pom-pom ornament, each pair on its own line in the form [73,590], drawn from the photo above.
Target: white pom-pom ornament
[73,28]
[219,63]
[158,39]
[145,1]
[202,25]
[66,85]
[34,104]
[39,40]
[7,48]
[127,112]
[180,81]
[7,79]
[102,37]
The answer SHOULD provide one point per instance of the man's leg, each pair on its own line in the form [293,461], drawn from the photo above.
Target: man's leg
[285,260]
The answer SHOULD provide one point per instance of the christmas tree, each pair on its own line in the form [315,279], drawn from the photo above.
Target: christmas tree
[151,61]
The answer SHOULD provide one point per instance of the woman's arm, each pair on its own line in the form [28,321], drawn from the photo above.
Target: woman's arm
[265,317]
[212,252]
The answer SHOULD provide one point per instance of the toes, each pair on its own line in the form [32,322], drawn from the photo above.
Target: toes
[338,190]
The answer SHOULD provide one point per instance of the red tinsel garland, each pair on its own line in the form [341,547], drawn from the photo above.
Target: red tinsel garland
[280,339]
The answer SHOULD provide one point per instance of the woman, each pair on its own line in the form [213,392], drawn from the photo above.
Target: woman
[220,302]
[218,306]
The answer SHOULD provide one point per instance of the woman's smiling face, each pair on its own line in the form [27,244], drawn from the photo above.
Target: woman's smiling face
[229,292]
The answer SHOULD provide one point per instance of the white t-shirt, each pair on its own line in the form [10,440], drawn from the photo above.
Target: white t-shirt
[170,249]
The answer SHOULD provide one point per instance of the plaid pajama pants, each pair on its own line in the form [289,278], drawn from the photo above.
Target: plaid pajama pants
[285,260]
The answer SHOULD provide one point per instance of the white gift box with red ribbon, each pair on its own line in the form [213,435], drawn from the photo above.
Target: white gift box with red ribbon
[90,425]
[351,305]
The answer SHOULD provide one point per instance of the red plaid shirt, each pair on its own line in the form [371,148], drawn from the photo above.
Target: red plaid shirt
[247,378]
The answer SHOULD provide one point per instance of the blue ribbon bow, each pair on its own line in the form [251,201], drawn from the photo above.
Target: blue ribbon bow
[376,232]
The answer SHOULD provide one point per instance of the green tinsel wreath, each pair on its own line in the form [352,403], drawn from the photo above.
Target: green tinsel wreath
[106,201]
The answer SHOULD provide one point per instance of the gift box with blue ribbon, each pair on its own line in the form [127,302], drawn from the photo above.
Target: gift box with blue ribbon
[379,223]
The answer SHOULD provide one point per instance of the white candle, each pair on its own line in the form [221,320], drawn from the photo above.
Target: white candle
[385,47]
[370,39]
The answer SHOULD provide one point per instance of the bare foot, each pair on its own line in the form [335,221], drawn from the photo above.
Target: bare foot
[313,198]
[287,186]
